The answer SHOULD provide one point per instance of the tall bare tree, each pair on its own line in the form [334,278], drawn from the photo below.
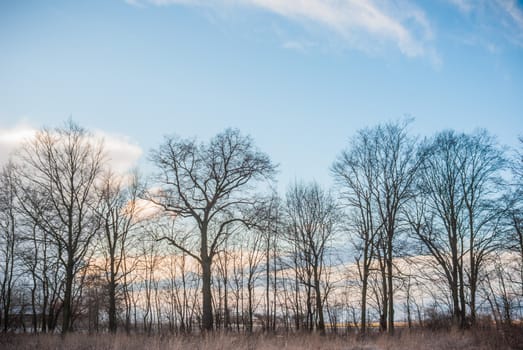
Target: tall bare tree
[355,173]
[40,259]
[253,244]
[312,215]
[378,173]
[483,162]
[456,215]
[440,226]
[209,184]
[63,165]
[118,213]
[515,210]
[396,167]
[8,241]
[270,227]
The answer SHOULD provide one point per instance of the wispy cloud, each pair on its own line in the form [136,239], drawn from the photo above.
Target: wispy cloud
[365,24]
[463,5]
[513,11]
[494,18]
[298,45]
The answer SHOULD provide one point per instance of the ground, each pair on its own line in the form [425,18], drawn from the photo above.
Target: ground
[419,339]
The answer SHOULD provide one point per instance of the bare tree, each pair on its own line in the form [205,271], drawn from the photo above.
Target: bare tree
[186,287]
[62,165]
[312,215]
[480,183]
[150,259]
[270,228]
[118,213]
[513,218]
[355,173]
[499,289]
[377,173]
[396,171]
[8,240]
[456,217]
[223,261]
[440,225]
[253,245]
[210,185]
[515,210]
[39,259]
[237,286]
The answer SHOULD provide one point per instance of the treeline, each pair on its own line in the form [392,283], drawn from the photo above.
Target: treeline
[416,232]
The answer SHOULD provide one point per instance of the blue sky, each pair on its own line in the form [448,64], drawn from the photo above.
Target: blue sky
[300,77]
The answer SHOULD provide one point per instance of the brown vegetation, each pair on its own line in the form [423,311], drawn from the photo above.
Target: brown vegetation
[420,339]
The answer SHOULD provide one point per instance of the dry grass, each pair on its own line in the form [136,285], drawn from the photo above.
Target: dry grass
[485,339]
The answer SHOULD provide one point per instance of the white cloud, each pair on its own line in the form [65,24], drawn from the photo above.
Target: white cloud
[463,5]
[364,24]
[122,154]
[11,138]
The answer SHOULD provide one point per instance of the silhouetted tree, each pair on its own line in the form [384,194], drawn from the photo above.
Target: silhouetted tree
[514,215]
[355,173]
[311,217]
[8,241]
[377,173]
[62,165]
[118,213]
[210,184]
[457,214]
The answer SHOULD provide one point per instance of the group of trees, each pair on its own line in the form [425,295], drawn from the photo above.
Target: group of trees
[433,225]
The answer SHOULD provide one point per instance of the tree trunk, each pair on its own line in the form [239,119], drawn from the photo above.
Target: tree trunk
[112,305]
[67,306]
[463,302]
[226,314]
[472,262]
[319,303]
[390,290]
[250,307]
[274,292]
[364,302]
[33,309]
[473,289]
[207,317]
[267,284]
[385,307]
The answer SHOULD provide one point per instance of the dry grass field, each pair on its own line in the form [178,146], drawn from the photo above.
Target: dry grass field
[485,339]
